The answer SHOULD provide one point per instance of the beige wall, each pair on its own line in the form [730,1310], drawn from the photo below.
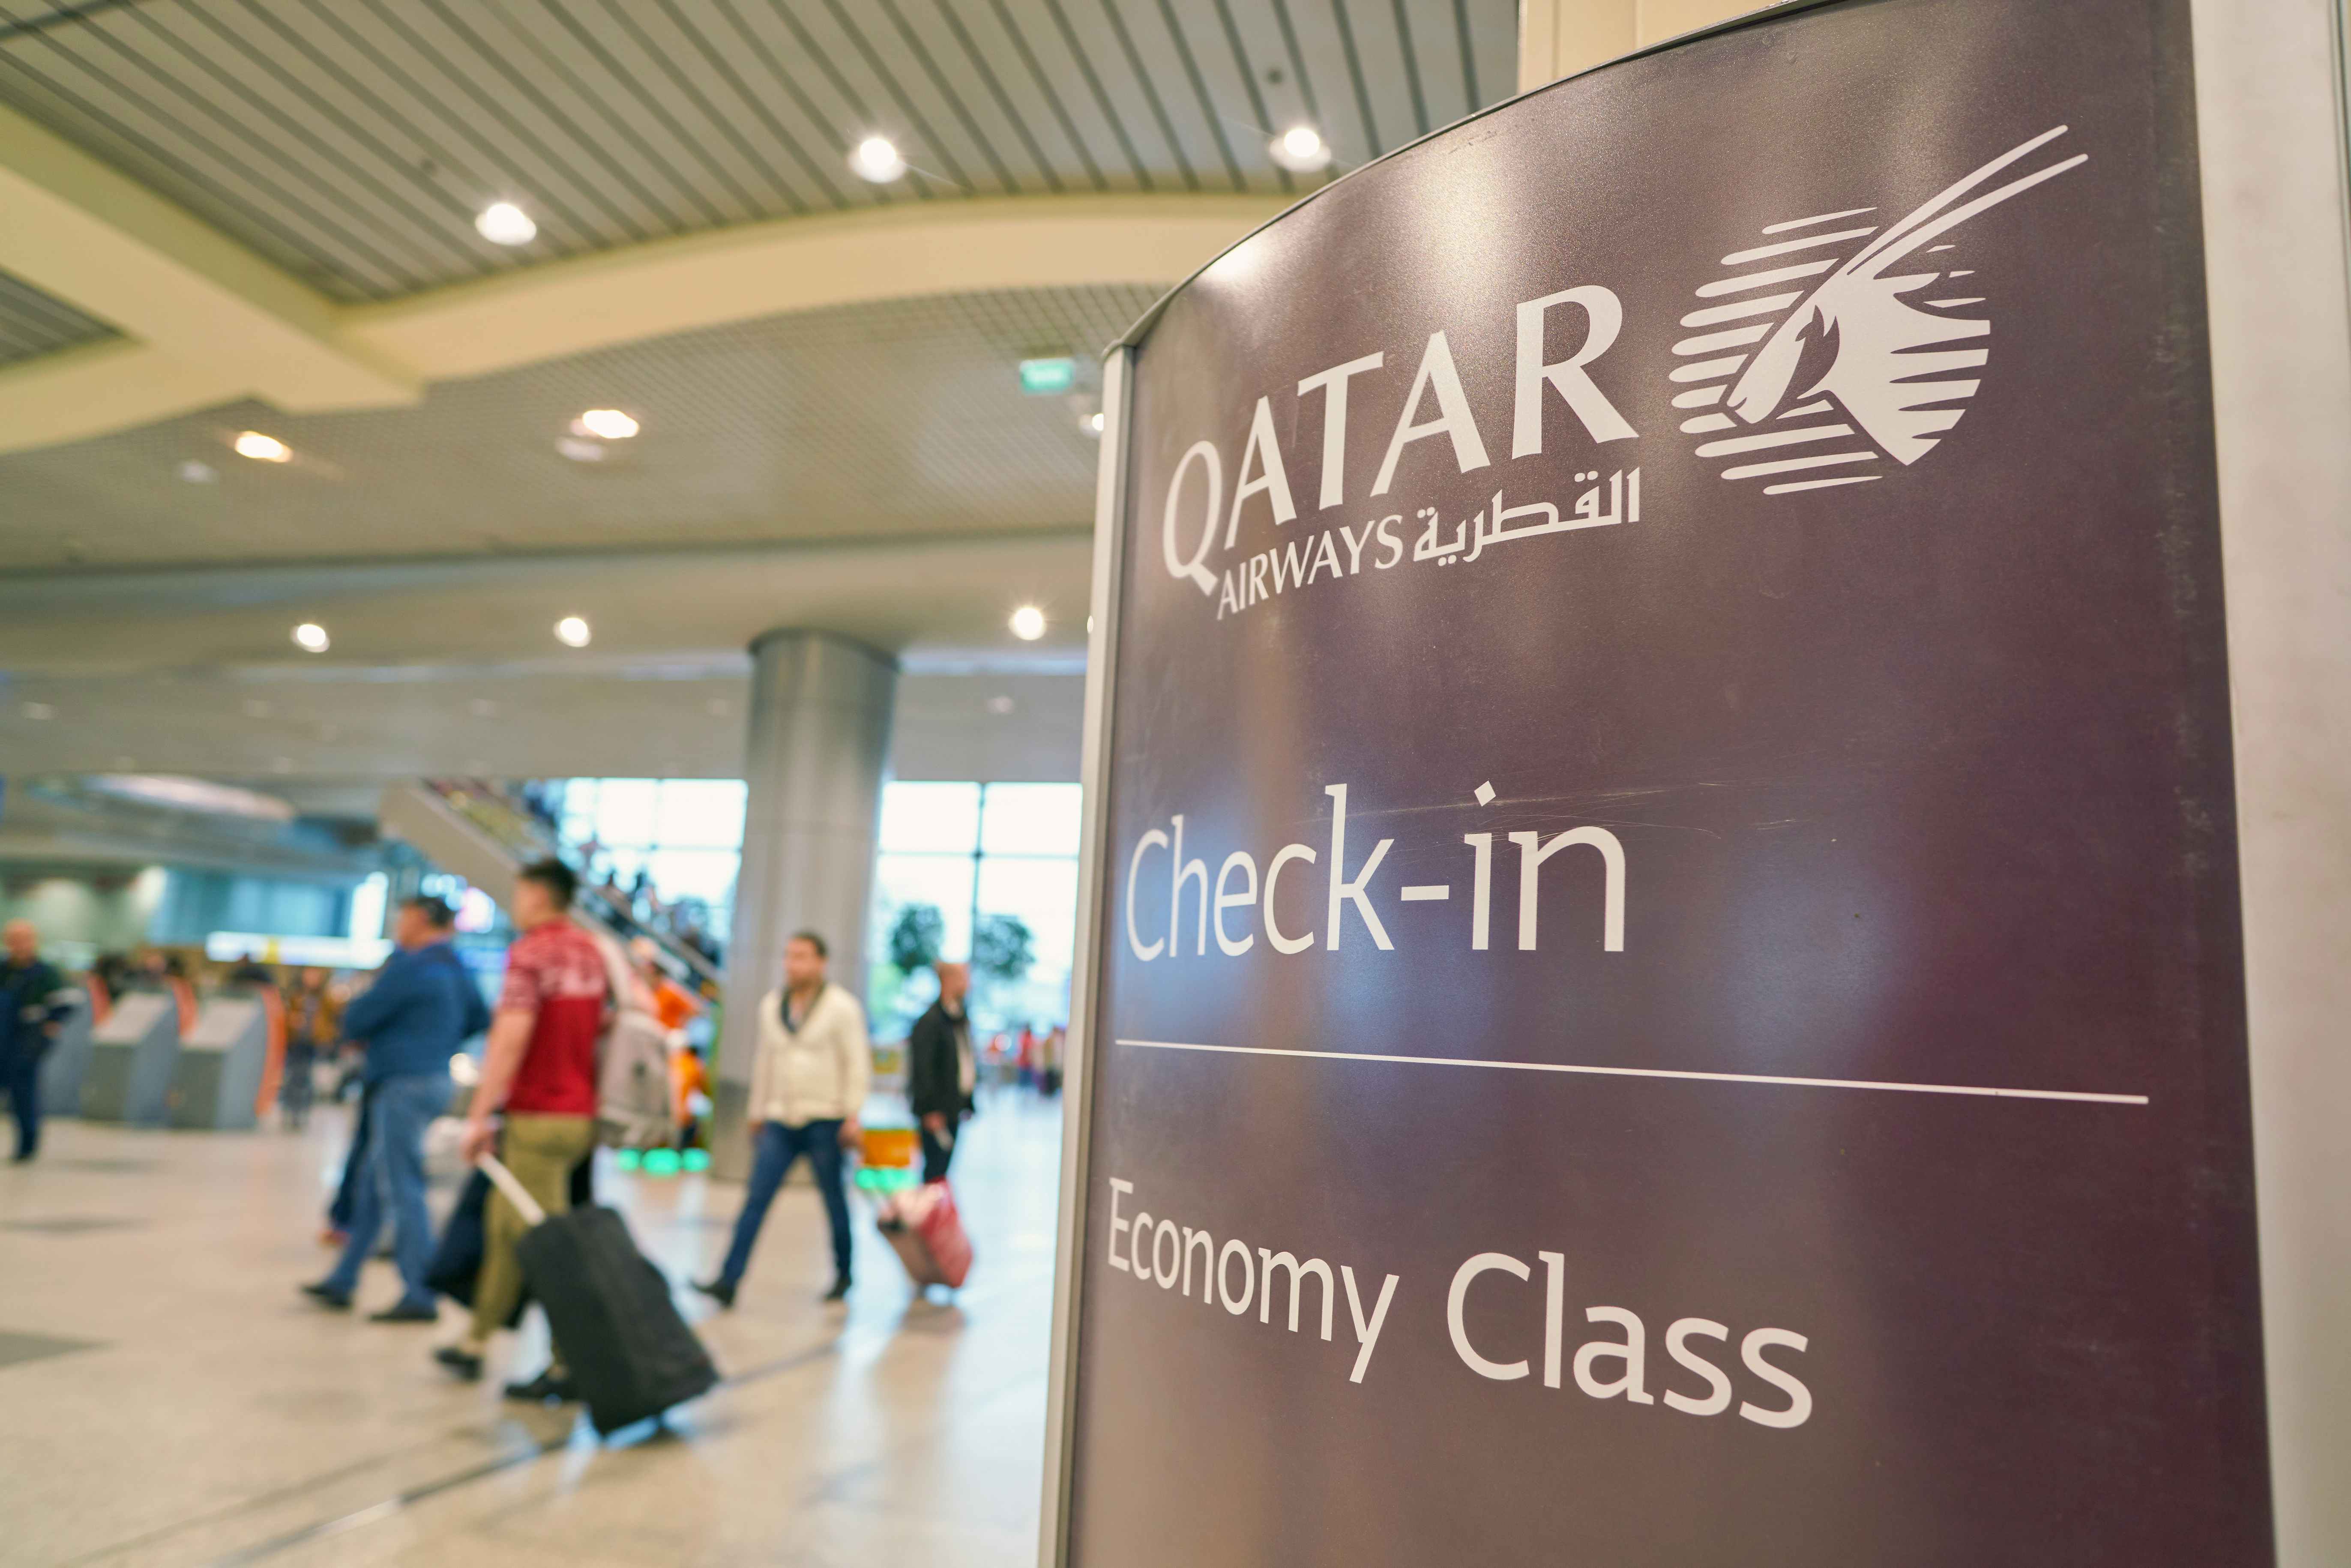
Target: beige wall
[1560,38]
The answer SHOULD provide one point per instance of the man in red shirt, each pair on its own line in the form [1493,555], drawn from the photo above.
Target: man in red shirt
[540,1067]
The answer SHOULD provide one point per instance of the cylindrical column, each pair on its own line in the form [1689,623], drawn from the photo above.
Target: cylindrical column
[821,711]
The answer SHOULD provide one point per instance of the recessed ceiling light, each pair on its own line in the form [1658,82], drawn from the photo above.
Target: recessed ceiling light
[261,448]
[1028,624]
[502,223]
[999,705]
[609,423]
[573,632]
[580,451]
[40,710]
[1092,423]
[1301,149]
[876,159]
[310,637]
[194,473]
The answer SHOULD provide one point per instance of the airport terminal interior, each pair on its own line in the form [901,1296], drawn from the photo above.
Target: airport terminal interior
[518,506]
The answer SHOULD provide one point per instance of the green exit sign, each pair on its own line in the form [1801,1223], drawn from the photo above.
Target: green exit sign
[1044,377]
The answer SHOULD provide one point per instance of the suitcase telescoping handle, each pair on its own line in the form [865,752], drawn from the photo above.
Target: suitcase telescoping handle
[504,1180]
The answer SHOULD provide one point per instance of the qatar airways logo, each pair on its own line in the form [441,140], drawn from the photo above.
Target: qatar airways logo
[1838,351]
[1828,355]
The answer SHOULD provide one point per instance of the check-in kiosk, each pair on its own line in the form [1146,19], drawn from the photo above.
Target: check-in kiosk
[130,1059]
[67,1065]
[218,1072]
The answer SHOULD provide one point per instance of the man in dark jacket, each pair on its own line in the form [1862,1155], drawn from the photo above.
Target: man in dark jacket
[33,1001]
[941,1071]
[421,1010]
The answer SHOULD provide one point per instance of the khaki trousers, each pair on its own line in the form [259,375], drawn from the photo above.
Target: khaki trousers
[540,1151]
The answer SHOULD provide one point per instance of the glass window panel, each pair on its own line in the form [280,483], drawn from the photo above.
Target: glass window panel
[579,797]
[1044,894]
[706,874]
[944,882]
[700,813]
[1031,820]
[926,817]
[626,809]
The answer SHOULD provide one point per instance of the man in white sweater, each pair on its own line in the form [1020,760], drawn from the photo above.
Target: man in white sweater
[807,1088]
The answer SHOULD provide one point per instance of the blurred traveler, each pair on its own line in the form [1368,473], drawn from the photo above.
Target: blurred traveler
[33,1001]
[808,1088]
[540,1069]
[691,1080]
[347,1191]
[419,1012]
[673,1004]
[941,1069]
[313,1024]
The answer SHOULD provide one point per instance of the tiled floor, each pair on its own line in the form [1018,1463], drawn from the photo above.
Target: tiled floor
[206,1414]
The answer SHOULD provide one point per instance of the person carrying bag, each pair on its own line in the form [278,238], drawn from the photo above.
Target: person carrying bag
[628,1354]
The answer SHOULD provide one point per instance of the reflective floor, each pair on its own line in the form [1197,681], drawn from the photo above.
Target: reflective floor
[166,1398]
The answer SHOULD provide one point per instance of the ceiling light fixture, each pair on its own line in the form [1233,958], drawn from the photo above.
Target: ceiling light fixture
[194,473]
[261,448]
[1092,423]
[571,631]
[502,223]
[1028,624]
[1301,149]
[609,423]
[876,159]
[310,637]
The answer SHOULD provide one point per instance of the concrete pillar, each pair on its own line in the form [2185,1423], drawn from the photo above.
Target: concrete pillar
[820,741]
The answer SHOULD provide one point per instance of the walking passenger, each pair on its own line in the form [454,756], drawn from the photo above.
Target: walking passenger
[33,1001]
[808,1088]
[419,1012]
[540,1069]
[313,1024]
[941,1071]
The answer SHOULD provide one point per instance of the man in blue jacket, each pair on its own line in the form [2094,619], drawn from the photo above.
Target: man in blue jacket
[33,1001]
[419,1012]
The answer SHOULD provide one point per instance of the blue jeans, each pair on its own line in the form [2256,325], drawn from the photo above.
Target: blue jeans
[391,1180]
[777,1148]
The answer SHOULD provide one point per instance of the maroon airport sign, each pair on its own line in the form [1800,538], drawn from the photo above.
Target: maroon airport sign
[1666,978]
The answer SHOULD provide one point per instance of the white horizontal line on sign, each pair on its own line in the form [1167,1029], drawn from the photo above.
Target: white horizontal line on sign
[1425,893]
[1966,1089]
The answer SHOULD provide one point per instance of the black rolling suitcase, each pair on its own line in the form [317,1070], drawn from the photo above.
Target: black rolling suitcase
[629,1353]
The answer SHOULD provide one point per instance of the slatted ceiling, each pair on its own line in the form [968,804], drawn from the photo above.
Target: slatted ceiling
[903,418]
[352,141]
[33,324]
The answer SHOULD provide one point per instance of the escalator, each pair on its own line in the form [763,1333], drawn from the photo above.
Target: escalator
[471,830]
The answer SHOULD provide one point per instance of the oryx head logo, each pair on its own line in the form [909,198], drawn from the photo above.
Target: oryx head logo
[1813,384]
